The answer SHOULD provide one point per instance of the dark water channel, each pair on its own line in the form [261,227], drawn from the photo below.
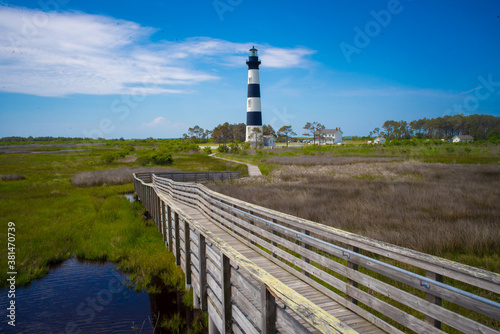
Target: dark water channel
[80,296]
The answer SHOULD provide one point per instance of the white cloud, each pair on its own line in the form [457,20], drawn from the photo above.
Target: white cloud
[64,53]
[157,121]
[279,57]
[162,122]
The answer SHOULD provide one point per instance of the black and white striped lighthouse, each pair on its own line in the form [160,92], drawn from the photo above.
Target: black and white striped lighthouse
[254,113]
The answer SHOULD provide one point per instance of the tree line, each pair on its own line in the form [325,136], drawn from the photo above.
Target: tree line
[477,126]
[224,133]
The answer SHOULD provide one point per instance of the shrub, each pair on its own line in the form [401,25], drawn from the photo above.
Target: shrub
[13,177]
[109,157]
[207,150]
[234,148]
[223,149]
[161,158]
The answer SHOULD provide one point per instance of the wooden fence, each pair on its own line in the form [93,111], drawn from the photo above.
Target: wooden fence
[397,289]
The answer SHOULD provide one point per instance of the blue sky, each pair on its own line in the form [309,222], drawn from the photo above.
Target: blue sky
[137,69]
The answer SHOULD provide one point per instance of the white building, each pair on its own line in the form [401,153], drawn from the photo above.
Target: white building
[379,140]
[462,138]
[269,140]
[330,136]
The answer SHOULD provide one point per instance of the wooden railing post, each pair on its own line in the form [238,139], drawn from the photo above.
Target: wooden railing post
[275,244]
[169,224]
[158,216]
[433,299]
[268,307]
[187,253]
[306,246]
[202,258]
[177,240]
[225,267]
[164,221]
[251,223]
[350,282]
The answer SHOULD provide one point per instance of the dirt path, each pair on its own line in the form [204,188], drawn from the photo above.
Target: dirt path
[253,170]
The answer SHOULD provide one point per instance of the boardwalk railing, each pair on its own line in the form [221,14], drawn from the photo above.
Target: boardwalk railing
[396,289]
[197,177]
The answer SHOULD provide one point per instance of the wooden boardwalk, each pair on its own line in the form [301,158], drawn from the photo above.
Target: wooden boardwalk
[255,270]
[335,309]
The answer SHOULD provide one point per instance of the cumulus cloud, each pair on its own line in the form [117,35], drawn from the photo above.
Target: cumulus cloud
[64,53]
[163,123]
[157,121]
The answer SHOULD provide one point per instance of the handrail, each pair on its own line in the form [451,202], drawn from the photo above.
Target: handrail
[320,319]
[311,251]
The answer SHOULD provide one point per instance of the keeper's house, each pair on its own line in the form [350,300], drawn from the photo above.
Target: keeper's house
[462,138]
[330,136]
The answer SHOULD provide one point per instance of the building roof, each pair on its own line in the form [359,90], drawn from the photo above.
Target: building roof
[379,138]
[329,131]
[464,137]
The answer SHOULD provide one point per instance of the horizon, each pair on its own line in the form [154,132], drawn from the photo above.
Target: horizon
[72,68]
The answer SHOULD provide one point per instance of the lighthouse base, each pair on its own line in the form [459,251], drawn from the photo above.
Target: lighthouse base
[251,134]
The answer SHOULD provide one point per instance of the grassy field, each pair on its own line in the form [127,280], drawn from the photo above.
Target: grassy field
[449,210]
[55,219]
[424,151]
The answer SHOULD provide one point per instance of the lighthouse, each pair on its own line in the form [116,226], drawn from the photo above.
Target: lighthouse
[254,113]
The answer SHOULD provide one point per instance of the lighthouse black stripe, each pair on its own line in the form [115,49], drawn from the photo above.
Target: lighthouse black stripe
[253,90]
[254,118]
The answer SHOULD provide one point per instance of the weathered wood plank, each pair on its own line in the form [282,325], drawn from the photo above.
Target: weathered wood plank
[268,307]
[226,294]
[203,271]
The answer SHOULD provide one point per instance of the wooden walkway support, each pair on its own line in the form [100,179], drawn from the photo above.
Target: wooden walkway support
[255,270]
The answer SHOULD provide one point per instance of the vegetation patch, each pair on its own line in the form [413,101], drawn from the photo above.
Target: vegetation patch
[13,177]
[326,160]
[446,210]
[113,176]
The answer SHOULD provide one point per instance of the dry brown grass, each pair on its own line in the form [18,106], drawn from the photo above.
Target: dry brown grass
[313,160]
[446,210]
[113,176]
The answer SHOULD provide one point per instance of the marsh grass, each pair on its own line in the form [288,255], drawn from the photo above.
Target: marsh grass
[56,220]
[326,160]
[13,177]
[113,176]
[446,210]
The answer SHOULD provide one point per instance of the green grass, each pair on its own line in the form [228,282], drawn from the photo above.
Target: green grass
[55,220]
[432,152]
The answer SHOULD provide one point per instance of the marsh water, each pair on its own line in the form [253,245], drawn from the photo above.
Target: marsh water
[80,296]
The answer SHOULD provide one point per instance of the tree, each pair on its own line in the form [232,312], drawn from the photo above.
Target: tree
[257,134]
[221,133]
[313,129]
[238,131]
[268,130]
[286,131]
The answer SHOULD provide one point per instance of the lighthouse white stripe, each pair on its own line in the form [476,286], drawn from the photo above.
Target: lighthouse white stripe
[253,76]
[253,104]
[249,134]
